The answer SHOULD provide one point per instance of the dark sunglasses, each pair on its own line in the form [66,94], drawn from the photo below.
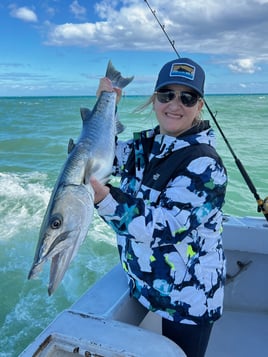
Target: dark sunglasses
[189,99]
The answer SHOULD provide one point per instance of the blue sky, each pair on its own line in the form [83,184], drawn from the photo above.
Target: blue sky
[55,47]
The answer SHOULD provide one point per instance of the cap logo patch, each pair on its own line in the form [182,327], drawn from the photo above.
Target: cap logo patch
[182,70]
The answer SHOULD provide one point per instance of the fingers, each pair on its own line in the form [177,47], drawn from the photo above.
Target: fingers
[100,190]
[105,85]
[118,92]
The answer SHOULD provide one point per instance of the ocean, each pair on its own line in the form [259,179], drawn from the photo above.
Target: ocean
[34,135]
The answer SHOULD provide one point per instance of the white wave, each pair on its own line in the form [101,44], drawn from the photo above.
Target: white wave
[24,198]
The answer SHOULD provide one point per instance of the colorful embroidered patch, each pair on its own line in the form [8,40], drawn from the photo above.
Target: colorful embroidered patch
[182,70]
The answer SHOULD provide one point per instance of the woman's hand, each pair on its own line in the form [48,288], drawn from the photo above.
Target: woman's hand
[100,190]
[106,85]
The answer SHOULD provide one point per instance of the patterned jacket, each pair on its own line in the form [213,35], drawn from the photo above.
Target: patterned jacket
[168,220]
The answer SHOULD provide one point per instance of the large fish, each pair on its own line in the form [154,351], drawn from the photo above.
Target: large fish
[70,209]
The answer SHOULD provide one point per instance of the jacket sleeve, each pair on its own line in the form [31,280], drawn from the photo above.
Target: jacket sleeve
[187,203]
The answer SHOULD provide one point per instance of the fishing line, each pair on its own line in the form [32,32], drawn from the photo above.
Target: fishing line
[262,204]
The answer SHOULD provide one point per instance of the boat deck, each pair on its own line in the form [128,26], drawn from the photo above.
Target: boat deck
[236,334]
[239,333]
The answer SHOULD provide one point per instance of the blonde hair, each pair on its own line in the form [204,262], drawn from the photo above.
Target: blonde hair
[145,105]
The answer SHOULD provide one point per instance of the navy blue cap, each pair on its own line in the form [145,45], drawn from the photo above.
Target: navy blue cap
[182,71]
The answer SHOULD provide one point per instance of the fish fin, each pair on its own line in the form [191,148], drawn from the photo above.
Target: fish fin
[88,171]
[119,127]
[71,145]
[116,78]
[85,113]
[92,170]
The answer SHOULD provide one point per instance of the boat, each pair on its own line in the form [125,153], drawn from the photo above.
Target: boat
[106,321]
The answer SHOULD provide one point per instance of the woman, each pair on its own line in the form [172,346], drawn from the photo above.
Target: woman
[167,211]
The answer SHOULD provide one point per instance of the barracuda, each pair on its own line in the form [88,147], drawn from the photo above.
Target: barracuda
[71,206]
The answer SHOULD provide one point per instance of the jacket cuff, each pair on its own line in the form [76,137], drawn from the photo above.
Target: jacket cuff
[106,206]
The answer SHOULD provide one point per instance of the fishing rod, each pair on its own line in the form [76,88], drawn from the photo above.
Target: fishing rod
[262,204]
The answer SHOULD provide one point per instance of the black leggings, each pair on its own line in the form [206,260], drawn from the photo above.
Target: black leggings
[192,339]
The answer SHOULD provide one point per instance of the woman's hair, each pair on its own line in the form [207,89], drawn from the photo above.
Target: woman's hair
[151,100]
[145,105]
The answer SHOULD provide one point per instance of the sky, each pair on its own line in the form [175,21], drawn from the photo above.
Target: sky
[62,47]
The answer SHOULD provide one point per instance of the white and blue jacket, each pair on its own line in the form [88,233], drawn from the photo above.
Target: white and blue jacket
[168,220]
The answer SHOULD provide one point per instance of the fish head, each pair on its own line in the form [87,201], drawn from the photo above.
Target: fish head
[64,228]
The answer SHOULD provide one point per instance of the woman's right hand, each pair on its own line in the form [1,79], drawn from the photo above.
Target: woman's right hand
[100,190]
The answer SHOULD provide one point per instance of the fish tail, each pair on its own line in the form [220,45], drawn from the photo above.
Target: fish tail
[116,78]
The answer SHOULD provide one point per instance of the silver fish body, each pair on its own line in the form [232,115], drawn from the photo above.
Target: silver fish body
[71,206]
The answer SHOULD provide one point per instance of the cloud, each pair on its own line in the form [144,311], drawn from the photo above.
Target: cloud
[128,28]
[78,10]
[211,27]
[246,65]
[10,64]
[73,34]
[24,13]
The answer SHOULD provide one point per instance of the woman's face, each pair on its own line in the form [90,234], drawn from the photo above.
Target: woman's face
[173,116]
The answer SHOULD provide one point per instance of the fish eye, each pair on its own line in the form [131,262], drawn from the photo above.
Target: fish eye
[56,222]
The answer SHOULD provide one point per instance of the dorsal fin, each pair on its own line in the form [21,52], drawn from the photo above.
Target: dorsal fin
[85,113]
[71,145]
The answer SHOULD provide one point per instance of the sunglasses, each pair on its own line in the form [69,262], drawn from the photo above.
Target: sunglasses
[188,99]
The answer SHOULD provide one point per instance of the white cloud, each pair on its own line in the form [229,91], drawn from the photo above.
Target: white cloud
[73,34]
[24,13]
[245,65]
[229,28]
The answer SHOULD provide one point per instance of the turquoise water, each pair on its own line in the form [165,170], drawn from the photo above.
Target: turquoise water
[34,134]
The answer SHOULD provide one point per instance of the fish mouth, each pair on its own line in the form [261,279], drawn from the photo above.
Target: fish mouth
[59,265]
[55,250]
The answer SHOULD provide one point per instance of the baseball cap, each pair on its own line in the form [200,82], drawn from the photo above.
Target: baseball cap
[182,71]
